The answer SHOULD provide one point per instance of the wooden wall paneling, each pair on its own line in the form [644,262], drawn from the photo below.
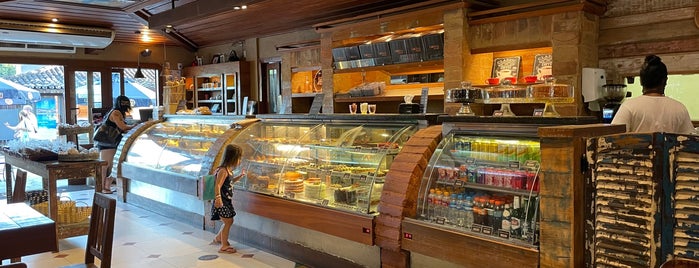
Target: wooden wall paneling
[617,8]
[680,63]
[651,47]
[625,21]
[663,30]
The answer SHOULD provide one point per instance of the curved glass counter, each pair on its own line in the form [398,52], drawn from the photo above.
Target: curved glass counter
[177,146]
[485,186]
[340,165]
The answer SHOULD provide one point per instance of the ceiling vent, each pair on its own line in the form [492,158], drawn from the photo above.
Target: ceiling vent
[50,37]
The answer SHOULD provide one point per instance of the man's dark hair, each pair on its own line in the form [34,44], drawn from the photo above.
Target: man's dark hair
[653,74]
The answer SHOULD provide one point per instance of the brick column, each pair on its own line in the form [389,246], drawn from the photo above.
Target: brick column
[400,191]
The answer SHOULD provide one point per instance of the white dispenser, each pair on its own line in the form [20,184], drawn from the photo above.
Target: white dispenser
[592,81]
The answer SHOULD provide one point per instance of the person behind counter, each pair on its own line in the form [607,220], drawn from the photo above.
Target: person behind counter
[116,117]
[222,208]
[653,111]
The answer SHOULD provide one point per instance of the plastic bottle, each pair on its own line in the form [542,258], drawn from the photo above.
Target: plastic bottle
[430,204]
[468,216]
[445,205]
[459,215]
[453,213]
[497,215]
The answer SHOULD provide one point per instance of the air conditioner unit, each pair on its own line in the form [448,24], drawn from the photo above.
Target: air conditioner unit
[50,37]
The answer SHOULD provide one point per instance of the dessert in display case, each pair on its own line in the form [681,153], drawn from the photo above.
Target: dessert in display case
[338,165]
[548,92]
[162,163]
[484,186]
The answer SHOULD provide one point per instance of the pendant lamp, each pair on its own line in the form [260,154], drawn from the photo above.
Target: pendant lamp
[139,73]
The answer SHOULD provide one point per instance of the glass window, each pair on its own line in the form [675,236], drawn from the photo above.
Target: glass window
[681,87]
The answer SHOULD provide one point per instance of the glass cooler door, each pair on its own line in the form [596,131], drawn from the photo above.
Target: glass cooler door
[484,185]
[337,165]
[175,146]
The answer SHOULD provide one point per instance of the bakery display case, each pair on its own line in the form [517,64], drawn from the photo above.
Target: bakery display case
[338,165]
[175,146]
[162,163]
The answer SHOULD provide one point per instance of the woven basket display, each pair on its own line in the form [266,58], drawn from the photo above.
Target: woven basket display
[68,210]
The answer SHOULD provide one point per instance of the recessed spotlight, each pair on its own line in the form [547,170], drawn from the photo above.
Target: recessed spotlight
[54,20]
[244,7]
[236,7]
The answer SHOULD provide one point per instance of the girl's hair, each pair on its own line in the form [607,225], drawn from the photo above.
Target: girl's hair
[653,74]
[231,155]
[123,104]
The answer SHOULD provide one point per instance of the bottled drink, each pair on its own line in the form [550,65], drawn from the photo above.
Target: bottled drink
[443,205]
[497,215]
[437,204]
[516,218]
[430,204]
[506,218]
[490,212]
[468,216]
[459,217]
[453,214]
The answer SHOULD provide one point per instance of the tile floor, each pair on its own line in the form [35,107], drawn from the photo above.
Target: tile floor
[145,239]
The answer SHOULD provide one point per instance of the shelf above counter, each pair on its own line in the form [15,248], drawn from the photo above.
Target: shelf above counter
[399,68]
[386,98]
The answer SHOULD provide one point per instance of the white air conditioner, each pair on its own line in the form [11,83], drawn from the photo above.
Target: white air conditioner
[50,37]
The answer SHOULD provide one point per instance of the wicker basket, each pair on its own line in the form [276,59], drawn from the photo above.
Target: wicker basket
[68,211]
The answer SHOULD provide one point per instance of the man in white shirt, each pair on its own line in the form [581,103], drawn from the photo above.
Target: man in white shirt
[653,111]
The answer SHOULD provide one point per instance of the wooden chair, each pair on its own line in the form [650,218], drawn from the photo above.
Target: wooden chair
[101,235]
[19,193]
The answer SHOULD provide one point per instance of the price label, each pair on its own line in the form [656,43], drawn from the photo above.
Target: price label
[459,183]
[497,113]
[362,178]
[441,220]
[487,230]
[289,195]
[504,234]
[323,202]
[514,164]
[470,160]
[531,163]
[476,228]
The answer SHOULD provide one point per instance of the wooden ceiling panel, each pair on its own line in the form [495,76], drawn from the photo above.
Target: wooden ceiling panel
[262,18]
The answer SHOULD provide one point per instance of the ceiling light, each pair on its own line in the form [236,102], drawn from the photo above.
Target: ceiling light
[244,7]
[236,7]
[54,20]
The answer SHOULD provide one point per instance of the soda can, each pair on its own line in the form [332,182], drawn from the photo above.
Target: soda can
[522,153]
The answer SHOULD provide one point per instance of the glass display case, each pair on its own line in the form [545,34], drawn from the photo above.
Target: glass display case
[177,146]
[486,186]
[341,165]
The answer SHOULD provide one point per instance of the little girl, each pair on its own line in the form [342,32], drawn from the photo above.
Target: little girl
[222,208]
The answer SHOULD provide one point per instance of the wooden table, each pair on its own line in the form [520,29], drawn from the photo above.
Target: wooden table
[24,231]
[52,171]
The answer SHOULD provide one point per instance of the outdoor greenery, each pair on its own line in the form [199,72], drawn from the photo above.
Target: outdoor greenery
[7,70]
